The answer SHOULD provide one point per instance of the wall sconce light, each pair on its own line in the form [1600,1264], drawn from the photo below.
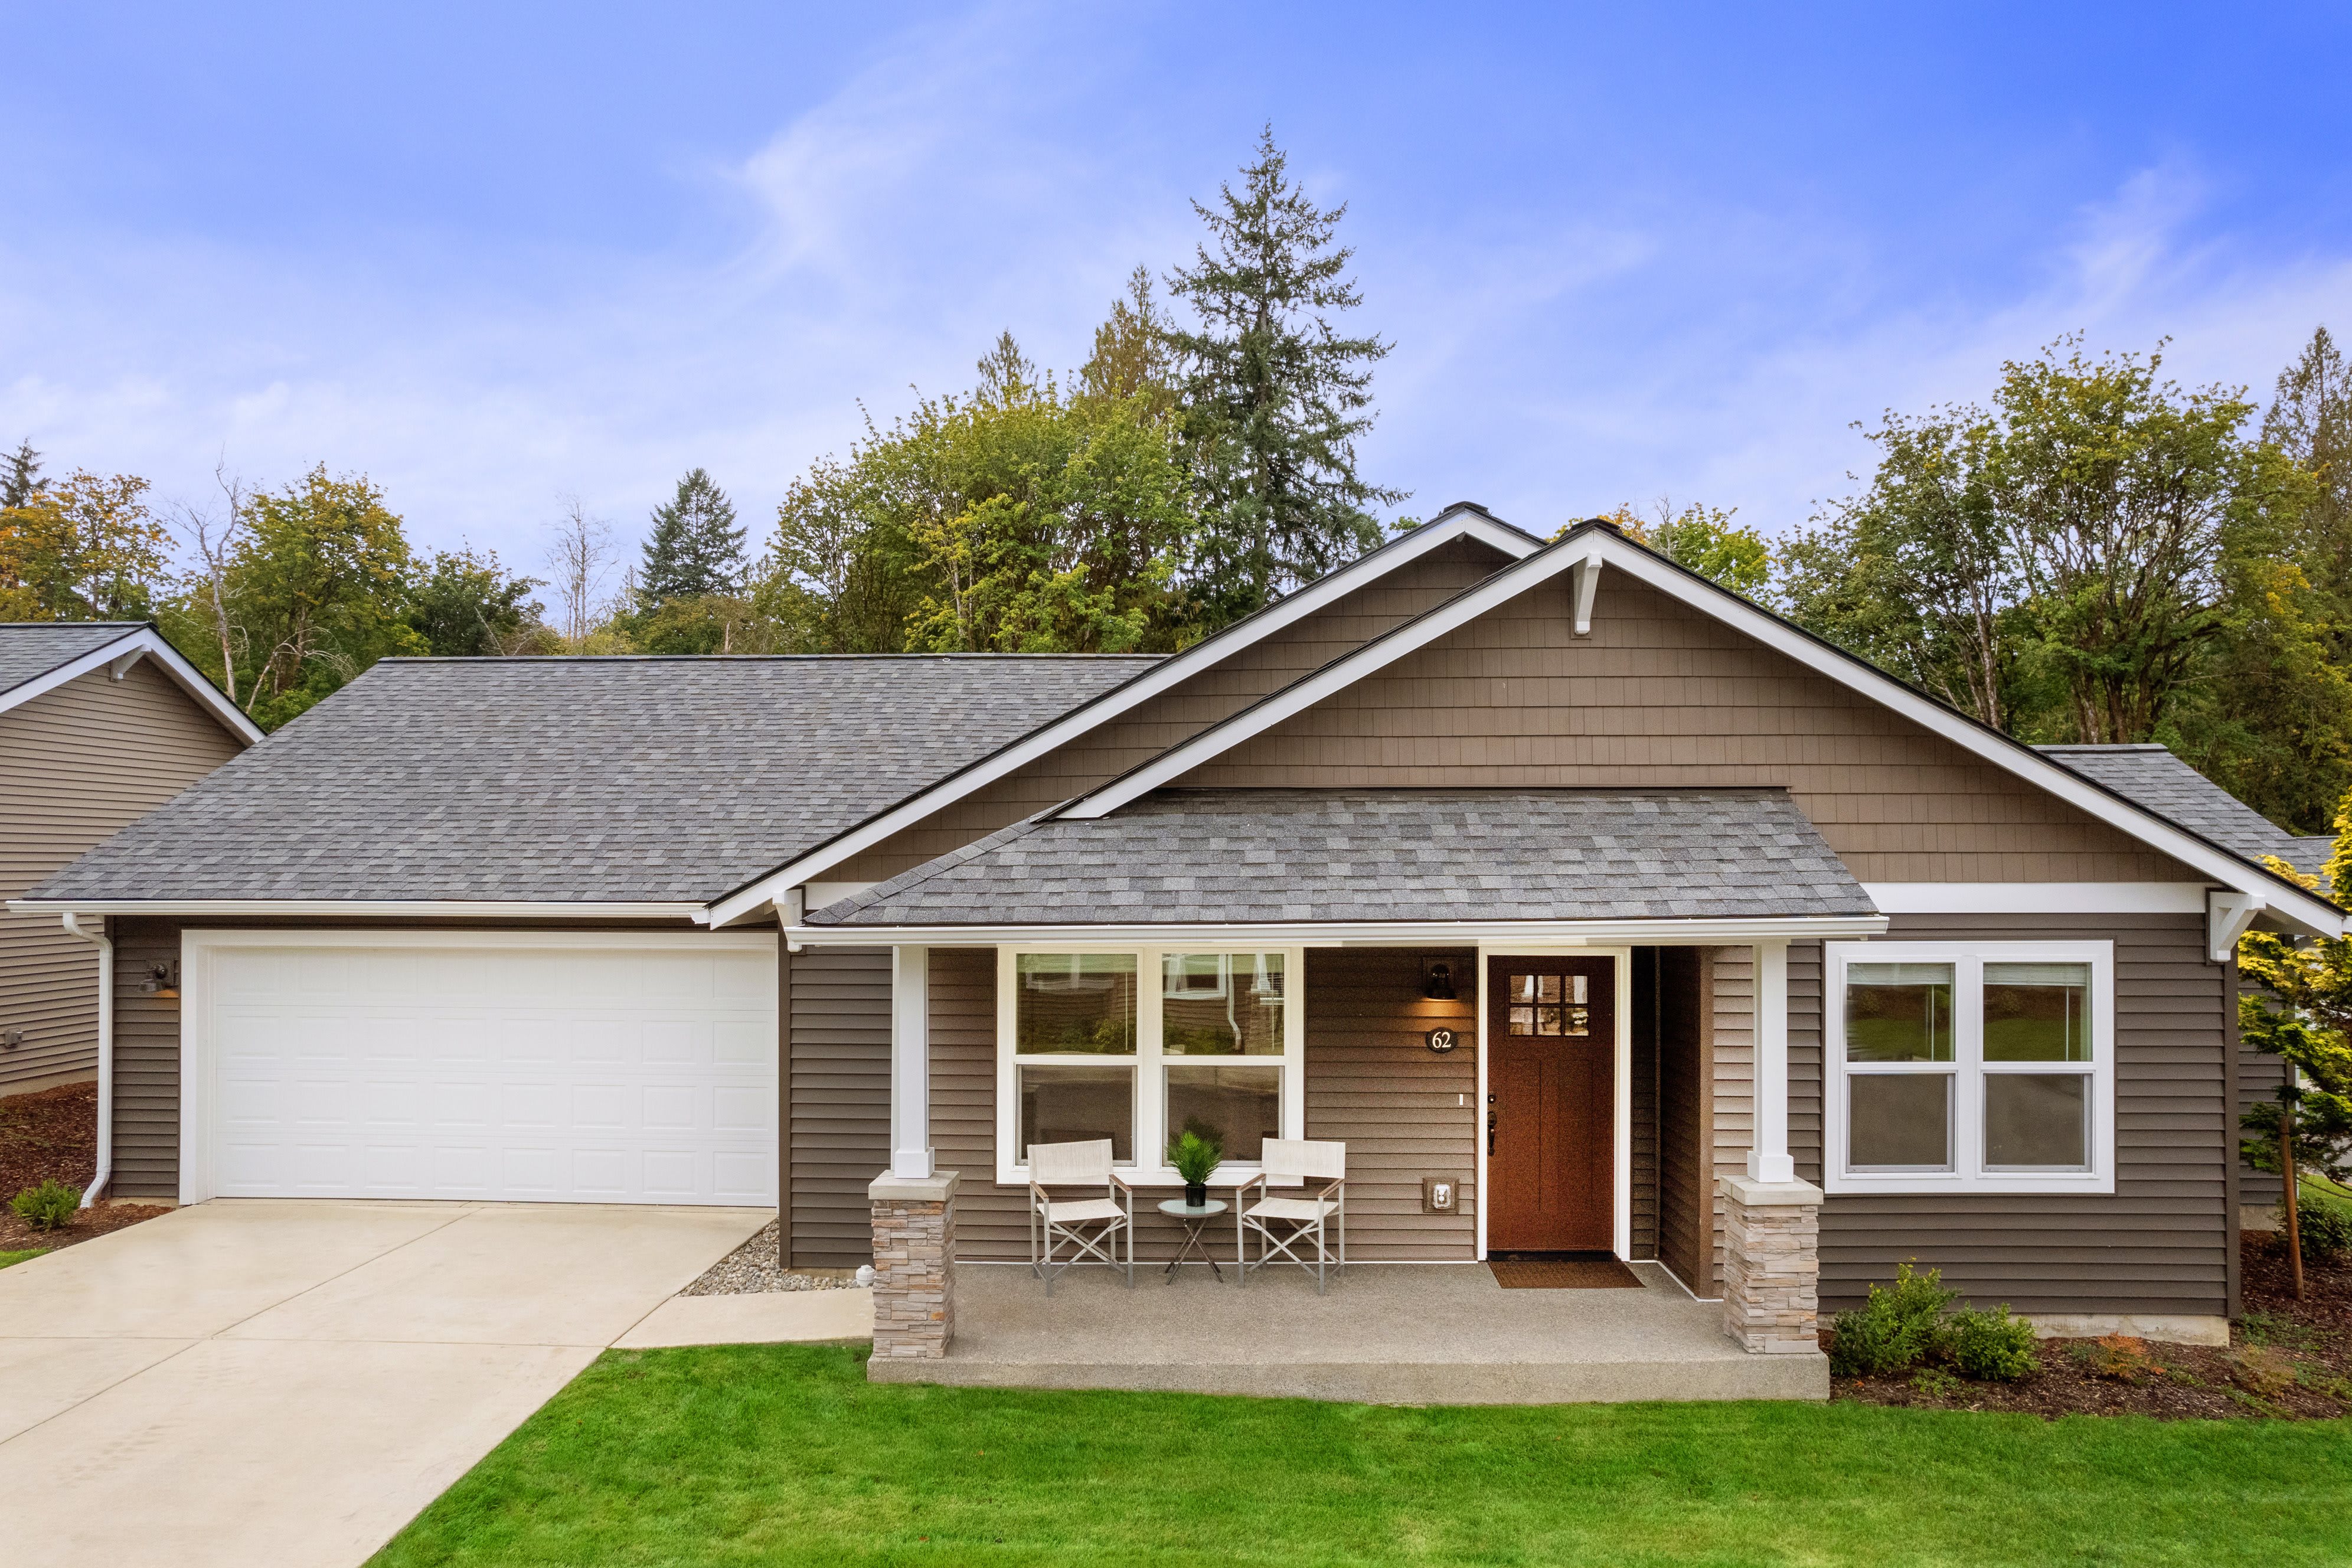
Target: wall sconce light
[1437,979]
[162,979]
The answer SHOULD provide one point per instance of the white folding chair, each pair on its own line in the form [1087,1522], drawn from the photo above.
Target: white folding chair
[1092,1226]
[1305,1219]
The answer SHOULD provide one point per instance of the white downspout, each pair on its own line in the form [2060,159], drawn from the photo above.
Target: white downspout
[105,1058]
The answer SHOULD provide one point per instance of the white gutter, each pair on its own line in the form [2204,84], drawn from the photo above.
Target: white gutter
[105,1058]
[420,909]
[1354,934]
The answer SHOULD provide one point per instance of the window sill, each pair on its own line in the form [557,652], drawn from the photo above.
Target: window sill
[2086,1184]
[1018,1177]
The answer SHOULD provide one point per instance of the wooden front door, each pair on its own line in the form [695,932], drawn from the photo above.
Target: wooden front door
[1551,1057]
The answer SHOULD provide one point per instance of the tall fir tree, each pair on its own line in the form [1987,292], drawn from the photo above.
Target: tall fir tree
[22,481]
[695,548]
[1274,398]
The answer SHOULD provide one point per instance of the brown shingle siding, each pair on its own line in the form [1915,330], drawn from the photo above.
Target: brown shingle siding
[840,1101]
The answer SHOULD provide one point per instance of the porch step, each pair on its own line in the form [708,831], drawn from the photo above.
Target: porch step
[1385,1334]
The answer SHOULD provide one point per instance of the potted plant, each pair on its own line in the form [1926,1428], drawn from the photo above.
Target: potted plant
[1195,1156]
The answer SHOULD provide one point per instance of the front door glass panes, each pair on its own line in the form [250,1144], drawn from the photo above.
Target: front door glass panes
[1222,1004]
[1898,1012]
[1074,1003]
[1548,1004]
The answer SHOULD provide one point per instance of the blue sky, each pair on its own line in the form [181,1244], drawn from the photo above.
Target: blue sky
[493,255]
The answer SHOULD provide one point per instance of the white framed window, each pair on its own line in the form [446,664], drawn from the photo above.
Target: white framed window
[1978,1067]
[1136,1045]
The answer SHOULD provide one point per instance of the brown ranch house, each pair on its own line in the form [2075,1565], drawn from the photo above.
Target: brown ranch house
[1599,914]
[100,722]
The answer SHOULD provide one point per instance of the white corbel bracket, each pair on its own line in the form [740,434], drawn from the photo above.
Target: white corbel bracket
[2227,916]
[1588,581]
[121,667]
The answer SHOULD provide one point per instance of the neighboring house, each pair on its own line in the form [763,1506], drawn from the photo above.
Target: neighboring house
[1712,910]
[100,722]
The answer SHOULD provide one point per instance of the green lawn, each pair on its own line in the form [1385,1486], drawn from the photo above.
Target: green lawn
[18,1257]
[783,1454]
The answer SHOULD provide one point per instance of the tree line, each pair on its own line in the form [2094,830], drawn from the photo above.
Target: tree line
[2093,554]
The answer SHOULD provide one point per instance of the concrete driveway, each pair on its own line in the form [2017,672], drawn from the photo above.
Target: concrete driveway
[288,1383]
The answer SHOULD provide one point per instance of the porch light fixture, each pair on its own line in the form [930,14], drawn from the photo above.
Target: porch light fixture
[162,979]
[1437,980]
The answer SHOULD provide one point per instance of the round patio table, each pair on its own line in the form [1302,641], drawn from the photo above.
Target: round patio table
[1196,1225]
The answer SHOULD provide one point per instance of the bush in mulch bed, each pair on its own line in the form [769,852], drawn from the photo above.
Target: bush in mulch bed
[51,1136]
[2287,1359]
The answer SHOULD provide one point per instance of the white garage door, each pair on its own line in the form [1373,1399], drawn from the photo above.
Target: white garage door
[585,1069]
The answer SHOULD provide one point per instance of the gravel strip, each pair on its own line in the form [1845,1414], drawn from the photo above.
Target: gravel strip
[755,1266]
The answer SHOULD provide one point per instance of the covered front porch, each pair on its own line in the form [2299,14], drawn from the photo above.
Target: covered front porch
[1383,1334]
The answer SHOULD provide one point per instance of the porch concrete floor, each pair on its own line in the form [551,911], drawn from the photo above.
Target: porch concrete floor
[1385,1334]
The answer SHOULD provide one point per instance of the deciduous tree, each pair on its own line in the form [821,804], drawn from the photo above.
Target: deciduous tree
[88,548]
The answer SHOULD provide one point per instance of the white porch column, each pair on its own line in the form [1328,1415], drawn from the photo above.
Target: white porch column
[1768,1156]
[910,1063]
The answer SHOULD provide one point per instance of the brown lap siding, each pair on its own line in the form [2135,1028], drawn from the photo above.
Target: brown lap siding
[146,1064]
[1372,1082]
[838,1132]
[2159,1244]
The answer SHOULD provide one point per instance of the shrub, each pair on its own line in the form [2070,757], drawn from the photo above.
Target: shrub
[1991,1347]
[46,1206]
[1193,1156]
[1896,1330]
[2262,1372]
[2119,1358]
[2324,1227]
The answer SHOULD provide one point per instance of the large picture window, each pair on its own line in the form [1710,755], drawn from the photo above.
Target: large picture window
[1141,1045]
[1984,1066]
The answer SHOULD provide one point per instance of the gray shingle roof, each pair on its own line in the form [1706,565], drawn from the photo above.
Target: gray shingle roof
[29,649]
[2151,776]
[577,779]
[1227,856]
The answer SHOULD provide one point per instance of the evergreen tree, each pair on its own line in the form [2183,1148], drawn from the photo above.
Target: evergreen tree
[23,480]
[1274,398]
[695,548]
[1131,357]
[1006,374]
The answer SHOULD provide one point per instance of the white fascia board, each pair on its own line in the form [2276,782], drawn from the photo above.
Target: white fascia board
[1459,523]
[2038,897]
[416,909]
[1338,675]
[2288,904]
[1521,935]
[124,651]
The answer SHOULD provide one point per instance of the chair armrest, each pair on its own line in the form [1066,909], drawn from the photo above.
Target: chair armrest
[1246,1183]
[1121,1182]
[1335,1186]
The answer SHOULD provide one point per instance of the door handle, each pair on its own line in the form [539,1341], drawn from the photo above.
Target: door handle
[1490,1132]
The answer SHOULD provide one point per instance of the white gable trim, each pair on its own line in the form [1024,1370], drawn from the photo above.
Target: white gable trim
[1458,522]
[120,655]
[2287,903]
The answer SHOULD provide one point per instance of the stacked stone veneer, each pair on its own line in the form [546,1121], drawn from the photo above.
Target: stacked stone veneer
[1771,1265]
[914,1266]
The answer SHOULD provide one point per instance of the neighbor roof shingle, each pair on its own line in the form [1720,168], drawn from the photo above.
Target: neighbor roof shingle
[1254,856]
[577,779]
[29,649]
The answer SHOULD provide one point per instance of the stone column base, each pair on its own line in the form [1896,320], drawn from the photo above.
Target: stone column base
[1771,1265]
[914,1266]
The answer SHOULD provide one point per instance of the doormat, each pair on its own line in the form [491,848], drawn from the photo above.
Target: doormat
[1565,1274]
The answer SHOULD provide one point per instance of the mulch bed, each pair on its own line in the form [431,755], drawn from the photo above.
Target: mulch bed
[53,1135]
[2288,1358]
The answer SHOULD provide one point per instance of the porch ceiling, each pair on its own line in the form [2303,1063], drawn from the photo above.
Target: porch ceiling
[1271,857]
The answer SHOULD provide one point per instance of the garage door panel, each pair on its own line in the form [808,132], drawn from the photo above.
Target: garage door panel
[596,1075]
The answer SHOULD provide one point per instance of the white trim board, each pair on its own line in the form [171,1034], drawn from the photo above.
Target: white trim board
[1456,522]
[2298,909]
[1524,936]
[123,652]
[2038,897]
